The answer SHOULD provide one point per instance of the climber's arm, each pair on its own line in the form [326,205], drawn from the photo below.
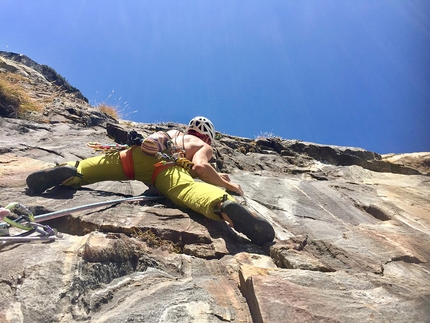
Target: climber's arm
[204,170]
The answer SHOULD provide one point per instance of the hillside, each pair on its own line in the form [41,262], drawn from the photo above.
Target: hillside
[352,228]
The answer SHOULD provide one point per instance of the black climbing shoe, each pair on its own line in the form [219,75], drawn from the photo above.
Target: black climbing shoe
[257,229]
[44,179]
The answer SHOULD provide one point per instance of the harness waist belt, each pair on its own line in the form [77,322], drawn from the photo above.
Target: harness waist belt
[158,168]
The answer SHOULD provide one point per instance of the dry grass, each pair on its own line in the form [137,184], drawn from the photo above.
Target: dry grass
[153,241]
[267,135]
[109,110]
[20,98]
[14,95]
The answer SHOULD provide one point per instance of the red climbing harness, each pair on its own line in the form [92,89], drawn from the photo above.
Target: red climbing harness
[126,157]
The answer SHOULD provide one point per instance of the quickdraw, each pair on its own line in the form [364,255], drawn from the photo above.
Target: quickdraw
[21,214]
[175,159]
[26,221]
[18,216]
[106,148]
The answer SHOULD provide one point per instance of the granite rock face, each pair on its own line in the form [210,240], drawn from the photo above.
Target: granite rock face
[352,236]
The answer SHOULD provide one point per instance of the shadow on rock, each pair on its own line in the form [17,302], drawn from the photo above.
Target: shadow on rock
[57,192]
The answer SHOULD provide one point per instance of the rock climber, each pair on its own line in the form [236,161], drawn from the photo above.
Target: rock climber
[175,180]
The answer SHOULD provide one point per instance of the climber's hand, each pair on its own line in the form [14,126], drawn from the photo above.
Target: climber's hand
[235,189]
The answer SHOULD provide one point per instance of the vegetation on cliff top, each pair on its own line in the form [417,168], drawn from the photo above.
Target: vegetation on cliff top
[14,98]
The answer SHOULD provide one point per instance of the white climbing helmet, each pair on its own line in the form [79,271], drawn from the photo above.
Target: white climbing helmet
[203,126]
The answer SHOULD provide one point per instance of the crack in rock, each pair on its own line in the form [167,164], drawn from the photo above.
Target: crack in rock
[407,259]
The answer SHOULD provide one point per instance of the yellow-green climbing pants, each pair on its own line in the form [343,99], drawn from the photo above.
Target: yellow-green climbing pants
[174,182]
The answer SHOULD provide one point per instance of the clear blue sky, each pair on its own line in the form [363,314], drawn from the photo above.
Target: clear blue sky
[349,73]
